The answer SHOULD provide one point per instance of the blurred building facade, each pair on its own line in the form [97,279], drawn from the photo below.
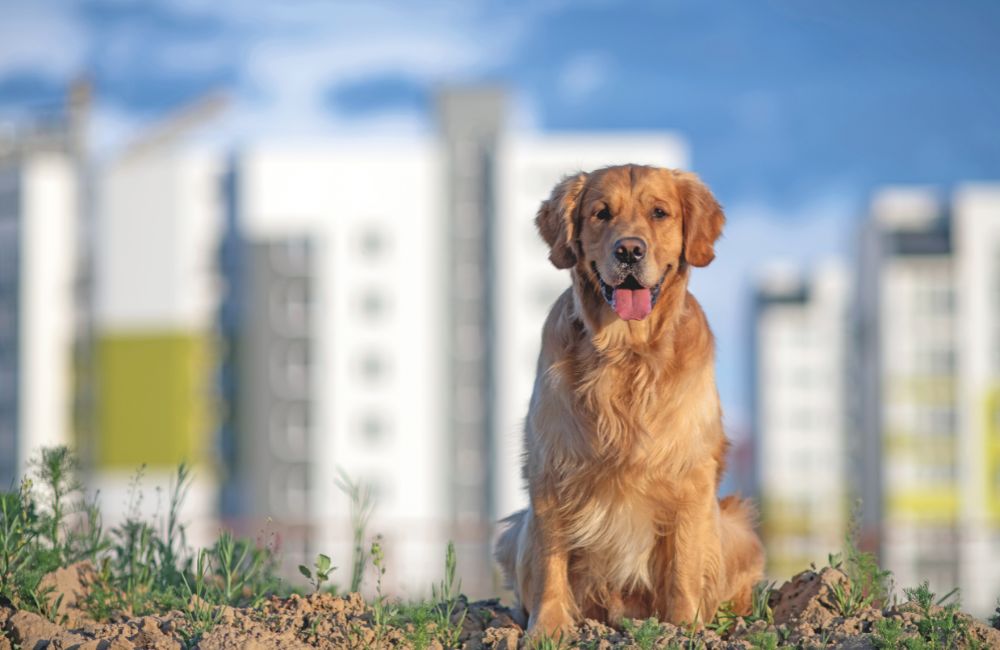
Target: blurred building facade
[156,289]
[908,347]
[41,214]
[339,358]
[909,421]
[800,338]
[926,451]
[976,234]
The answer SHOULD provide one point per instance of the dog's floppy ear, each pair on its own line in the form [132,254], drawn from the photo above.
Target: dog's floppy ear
[555,220]
[703,219]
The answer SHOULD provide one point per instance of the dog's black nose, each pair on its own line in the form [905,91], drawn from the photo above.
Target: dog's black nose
[629,250]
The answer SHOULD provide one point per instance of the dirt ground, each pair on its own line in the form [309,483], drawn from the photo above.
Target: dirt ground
[804,616]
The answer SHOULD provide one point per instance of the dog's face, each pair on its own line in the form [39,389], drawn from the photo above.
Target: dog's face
[628,229]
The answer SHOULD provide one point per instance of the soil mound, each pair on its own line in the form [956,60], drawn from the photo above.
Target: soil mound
[810,611]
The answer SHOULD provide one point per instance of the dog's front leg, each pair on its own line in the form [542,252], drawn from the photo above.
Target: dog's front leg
[551,607]
[696,564]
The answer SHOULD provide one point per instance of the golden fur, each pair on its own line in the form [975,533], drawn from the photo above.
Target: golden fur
[624,446]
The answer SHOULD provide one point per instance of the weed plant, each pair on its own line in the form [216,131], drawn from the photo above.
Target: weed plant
[644,634]
[141,566]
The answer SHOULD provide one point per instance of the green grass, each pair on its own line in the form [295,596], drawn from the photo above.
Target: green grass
[888,634]
[763,640]
[141,566]
[942,625]
[867,584]
[146,566]
[760,603]
[645,634]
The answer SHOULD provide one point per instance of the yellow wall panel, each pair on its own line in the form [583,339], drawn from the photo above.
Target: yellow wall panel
[155,399]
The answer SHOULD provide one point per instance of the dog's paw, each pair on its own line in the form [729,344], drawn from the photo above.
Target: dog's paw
[550,625]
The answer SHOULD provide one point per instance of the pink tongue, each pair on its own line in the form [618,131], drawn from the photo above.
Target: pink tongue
[632,304]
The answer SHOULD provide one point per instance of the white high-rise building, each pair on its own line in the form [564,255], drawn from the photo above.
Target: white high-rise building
[908,343]
[927,446]
[340,355]
[976,237]
[39,219]
[801,413]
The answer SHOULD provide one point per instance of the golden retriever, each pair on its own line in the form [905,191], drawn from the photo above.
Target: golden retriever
[624,445]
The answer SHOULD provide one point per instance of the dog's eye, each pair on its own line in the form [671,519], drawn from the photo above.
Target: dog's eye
[660,213]
[604,214]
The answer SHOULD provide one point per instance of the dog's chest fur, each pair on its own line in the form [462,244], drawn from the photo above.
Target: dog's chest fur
[615,539]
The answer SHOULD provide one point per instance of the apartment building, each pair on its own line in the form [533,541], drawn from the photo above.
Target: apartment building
[340,354]
[41,214]
[976,237]
[157,232]
[926,387]
[799,344]
[39,217]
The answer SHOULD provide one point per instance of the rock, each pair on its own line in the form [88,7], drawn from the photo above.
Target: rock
[501,638]
[69,587]
[29,630]
[808,598]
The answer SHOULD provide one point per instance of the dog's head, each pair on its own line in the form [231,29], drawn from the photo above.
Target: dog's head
[629,229]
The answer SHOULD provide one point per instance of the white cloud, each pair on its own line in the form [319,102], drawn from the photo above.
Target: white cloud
[583,75]
[288,60]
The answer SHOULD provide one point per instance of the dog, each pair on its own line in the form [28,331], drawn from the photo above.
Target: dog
[624,444]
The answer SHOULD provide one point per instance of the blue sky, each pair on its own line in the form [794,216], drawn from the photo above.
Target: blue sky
[795,110]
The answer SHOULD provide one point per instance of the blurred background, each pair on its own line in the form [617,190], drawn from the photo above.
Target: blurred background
[275,239]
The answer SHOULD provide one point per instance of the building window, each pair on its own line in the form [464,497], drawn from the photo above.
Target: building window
[291,256]
[290,432]
[372,367]
[290,307]
[290,368]
[373,304]
[289,491]
[373,428]
[373,244]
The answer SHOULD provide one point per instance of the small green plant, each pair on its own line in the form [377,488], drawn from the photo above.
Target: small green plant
[995,619]
[17,536]
[763,640]
[725,619]
[888,633]
[870,585]
[941,625]
[547,642]
[849,598]
[691,640]
[645,634]
[202,615]
[446,595]
[417,620]
[320,573]
[866,585]
[241,565]
[382,610]
[760,603]
[362,506]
